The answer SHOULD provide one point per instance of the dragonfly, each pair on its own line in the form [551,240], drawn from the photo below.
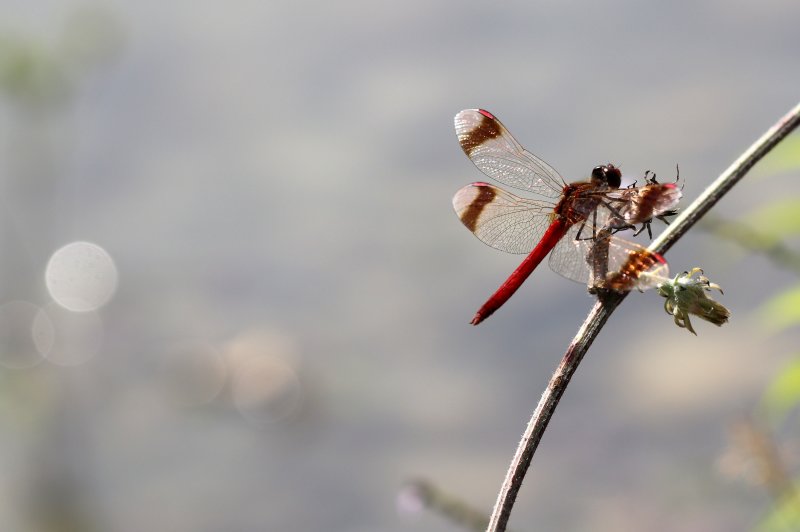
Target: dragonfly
[573,222]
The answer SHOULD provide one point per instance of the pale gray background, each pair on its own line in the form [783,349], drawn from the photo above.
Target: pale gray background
[283,171]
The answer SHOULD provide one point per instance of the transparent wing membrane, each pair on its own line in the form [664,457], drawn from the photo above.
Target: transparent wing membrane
[607,262]
[497,154]
[500,219]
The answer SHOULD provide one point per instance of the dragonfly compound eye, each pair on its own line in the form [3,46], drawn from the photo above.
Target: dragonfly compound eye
[608,174]
[613,176]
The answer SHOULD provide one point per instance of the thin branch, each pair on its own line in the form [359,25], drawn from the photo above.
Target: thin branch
[605,306]
[726,181]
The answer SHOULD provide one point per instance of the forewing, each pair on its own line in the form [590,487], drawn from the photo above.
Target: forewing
[501,219]
[498,155]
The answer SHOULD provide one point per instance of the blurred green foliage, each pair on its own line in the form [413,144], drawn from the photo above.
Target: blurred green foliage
[783,393]
[784,158]
[784,517]
[779,221]
[761,241]
[781,311]
[41,75]
[29,73]
[767,230]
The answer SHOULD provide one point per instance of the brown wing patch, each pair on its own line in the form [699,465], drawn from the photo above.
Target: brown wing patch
[483,196]
[488,128]
[628,276]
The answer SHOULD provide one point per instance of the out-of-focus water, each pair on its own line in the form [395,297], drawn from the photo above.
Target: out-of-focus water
[264,325]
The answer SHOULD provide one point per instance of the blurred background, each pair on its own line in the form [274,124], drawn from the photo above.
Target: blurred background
[234,295]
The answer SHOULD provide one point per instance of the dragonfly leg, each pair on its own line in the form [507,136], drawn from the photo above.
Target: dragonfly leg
[579,234]
[617,220]
[645,225]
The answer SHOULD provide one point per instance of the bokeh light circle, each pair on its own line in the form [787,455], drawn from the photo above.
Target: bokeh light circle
[81,276]
[266,390]
[192,373]
[77,336]
[24,340]
[265,386]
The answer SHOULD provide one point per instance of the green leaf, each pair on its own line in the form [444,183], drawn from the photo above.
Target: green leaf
[783,393]
[782,311]
[777,219]
[784,158]
[784,516]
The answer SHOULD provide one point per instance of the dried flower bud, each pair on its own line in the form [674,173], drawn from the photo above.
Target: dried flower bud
[687,294]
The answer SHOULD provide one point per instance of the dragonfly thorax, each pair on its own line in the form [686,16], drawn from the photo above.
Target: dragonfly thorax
[578,201]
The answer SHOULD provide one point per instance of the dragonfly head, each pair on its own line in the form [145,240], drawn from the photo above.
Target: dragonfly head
[607,174]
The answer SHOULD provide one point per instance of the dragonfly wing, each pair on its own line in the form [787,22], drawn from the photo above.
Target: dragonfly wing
[607,261]
[632,266]
[634,205]
[497,154]
[568,257]
[501,219]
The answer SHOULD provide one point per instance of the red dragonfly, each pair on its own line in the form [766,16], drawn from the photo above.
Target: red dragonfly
[575,223]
